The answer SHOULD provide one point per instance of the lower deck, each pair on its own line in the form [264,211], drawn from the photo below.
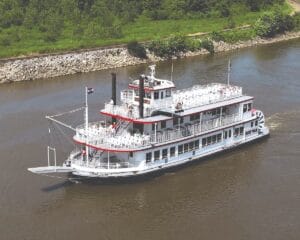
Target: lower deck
[166,156]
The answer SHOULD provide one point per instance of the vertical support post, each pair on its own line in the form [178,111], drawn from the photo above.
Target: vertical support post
[86,127]
[221,111]
[155,131]
[108,159]
[201,122]
[54,151]
[48,155]
[172,68]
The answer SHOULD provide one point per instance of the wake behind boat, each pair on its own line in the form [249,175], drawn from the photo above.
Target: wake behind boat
[156,127]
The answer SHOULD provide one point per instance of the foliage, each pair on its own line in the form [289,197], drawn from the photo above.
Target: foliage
[217,36]
[172,46]
[208,45]
[52,25]
[296,19]
[136,49]
[273,23]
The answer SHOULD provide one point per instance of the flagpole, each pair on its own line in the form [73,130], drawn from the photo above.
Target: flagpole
[172,71]
[86,126]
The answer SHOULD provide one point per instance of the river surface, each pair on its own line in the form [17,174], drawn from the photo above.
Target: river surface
[250,193]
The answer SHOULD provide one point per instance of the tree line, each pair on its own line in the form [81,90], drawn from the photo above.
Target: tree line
[105,18]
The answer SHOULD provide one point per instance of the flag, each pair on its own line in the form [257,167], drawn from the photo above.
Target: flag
[90,90]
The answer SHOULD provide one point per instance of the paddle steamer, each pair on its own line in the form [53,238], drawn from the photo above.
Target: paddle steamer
[155,127]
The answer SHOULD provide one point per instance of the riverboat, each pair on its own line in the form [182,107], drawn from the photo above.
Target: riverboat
[156,127]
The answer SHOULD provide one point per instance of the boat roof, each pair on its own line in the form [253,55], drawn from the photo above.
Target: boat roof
[169,113]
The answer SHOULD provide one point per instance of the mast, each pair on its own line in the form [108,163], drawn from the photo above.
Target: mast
[86,126]
[172,68]
[229,69]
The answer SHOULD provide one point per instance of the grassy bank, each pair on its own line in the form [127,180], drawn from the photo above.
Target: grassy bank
[23,41]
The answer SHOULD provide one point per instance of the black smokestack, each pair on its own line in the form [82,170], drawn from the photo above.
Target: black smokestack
[141,95]
[114,91]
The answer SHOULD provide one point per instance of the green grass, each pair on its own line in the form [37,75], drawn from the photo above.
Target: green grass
[143,29]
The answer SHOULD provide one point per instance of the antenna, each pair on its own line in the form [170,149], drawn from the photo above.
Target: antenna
[229,69]
[172,69]
[152,68]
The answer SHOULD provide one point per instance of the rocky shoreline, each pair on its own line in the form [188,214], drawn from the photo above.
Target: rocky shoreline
[93,60]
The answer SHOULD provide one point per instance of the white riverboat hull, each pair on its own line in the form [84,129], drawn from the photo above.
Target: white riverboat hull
[87,172]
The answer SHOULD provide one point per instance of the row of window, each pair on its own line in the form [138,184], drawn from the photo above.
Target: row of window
[238,131]
[211,139]
[187,147]
[162,95]
[183,148]
[194,145]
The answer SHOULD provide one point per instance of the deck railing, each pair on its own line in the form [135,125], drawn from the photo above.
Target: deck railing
[193,129]
[107,137]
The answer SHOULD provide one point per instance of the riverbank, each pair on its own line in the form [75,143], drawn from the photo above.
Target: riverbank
[40,67]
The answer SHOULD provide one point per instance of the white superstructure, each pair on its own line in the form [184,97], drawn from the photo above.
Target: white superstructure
[156,126]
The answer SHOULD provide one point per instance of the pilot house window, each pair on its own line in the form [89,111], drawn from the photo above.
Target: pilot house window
[156,95]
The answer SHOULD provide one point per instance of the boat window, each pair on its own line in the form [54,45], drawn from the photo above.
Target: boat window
[252,124]
[168,93]
[208,140]
[180,149]
[197,144]
[236,131]
[245,108]
[219,137]
[165,153]
[214,139]
[153,126]
[192,117]
[157,155]
[191,146]
[249,106]
[241,130]
[229,133]
[172,151]
[204,142]
[161,94]
[156,95]
[225,134]
[175,121]
[131,154]
[163,124]
[218,111]
[256,122]
[148,95]
[181,120]
[248,132]
[148,157]
[186,147]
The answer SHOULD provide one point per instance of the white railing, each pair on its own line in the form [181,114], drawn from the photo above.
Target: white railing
[193,129]
[123,110]
[107,137]
[207,94]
